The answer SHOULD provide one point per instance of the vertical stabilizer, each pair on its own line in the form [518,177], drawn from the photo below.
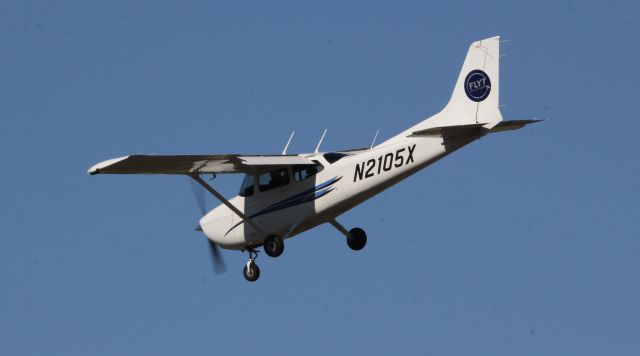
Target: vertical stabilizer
[475,98]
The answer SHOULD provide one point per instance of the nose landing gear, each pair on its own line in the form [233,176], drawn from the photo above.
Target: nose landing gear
[273,247]
[251,271]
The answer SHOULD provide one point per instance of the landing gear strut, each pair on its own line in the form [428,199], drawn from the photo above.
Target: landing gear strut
[251,271]
[356,237]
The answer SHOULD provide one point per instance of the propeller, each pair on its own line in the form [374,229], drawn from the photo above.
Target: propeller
[218,262]
[198,194]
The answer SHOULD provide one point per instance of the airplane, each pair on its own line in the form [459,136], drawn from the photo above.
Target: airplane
[282,196]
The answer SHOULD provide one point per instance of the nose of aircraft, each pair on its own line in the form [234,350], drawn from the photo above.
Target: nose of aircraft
[215,225]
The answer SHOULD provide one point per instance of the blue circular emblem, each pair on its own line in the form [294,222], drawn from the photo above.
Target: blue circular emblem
[477,85]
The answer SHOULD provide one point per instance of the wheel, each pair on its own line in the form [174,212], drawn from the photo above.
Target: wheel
[357,239]
[252,273]
[273,246]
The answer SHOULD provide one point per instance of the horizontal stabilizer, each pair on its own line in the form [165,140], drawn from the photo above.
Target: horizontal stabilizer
[453,130]
[512,125]
[457,130]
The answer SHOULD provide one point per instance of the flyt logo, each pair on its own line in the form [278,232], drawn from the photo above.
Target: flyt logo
[477,85]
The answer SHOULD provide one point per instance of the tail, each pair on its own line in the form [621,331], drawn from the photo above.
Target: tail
[475,98]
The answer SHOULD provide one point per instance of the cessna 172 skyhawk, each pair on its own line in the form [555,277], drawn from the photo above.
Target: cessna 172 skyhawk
[284,195]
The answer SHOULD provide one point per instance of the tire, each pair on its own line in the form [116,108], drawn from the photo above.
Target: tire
[357,239]
[273,246]
[253,273]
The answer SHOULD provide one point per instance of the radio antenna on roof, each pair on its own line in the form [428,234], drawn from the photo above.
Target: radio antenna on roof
[374,138]
[320,142]
[284,152]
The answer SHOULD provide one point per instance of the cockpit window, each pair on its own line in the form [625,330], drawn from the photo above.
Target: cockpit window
[246,189]
[273,179]
[305,171]
[332,157]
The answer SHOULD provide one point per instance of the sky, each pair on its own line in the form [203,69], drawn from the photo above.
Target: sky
[522,243]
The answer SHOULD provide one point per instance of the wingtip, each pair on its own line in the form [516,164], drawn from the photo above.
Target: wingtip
[95,169]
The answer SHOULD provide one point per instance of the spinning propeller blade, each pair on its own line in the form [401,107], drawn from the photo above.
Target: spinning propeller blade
[218,262]
[198,194]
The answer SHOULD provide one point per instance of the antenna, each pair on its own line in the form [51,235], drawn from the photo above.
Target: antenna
[374,138]
[284,152]
[319,143]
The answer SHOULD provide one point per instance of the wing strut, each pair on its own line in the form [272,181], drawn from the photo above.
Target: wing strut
[224,201]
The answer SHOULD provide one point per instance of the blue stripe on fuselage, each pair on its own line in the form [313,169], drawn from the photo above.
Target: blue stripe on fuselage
[306,196]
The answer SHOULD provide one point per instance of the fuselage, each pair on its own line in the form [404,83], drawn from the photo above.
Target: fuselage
[346,179]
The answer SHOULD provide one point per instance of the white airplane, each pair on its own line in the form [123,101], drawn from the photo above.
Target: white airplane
[284,195]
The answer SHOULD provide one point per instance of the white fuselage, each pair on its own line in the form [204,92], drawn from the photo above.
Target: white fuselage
[296,207]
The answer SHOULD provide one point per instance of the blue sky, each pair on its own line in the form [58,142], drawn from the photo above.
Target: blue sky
[522,243]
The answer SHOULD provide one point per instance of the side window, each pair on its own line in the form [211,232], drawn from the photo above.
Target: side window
[273,179]
[303,172]
[246,189]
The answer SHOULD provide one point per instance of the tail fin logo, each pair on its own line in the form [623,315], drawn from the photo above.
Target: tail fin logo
[477,85]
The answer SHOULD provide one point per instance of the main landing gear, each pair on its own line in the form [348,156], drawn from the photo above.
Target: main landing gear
[273,245]
[356,237]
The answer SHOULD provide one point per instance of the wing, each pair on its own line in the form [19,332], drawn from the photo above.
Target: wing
[196,164]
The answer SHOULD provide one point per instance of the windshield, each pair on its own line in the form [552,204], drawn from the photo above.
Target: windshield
[246,189]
